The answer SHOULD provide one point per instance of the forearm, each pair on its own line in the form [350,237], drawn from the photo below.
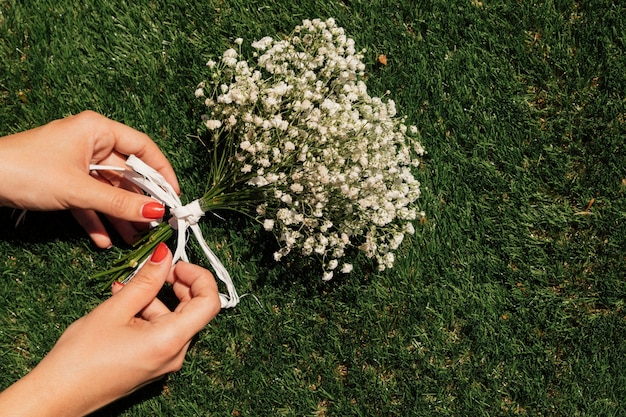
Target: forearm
[14,180]
[33,396]
[42,393]
[56,388]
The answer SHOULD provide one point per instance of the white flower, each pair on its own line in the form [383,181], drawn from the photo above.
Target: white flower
[326,226]
[268,224]
[328,275]
[397,240]
[296,188]
[334,165]
[258,181]
[229,62]
[230,53]
[289,146]
[263,43]
[213,124]
[332,264]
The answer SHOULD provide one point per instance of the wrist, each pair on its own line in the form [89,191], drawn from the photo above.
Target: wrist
[15,179]
[27,397]
[48,392]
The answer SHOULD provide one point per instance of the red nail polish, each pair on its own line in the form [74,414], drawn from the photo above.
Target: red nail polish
[153,210]
[159,253]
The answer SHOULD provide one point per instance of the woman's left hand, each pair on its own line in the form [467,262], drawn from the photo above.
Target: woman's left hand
[47,168]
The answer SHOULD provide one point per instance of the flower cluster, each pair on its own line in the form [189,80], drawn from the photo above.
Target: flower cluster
[334,165]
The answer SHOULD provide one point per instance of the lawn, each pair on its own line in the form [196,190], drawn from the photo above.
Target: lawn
[508,300]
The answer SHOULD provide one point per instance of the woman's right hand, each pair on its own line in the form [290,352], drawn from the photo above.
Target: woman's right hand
[129,340]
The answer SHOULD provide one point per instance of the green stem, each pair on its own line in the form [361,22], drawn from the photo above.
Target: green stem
[124,266]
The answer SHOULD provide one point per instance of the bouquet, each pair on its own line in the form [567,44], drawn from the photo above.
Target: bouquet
[298,144]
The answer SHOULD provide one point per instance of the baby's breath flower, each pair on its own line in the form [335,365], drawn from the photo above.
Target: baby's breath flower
[330,165]
[262,43]
[268,224]
[213,124]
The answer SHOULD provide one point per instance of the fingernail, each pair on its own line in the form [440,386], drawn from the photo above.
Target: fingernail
[117,284]
[159,253]
[153,210]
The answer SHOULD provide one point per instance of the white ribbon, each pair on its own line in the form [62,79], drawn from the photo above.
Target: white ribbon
[183,218]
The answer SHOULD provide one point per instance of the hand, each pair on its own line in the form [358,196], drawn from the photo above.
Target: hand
[127,341]
[47,168]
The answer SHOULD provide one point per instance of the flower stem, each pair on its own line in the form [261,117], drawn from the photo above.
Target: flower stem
[124,266]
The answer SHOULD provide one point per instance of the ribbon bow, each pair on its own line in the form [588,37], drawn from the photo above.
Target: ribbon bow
[184,217]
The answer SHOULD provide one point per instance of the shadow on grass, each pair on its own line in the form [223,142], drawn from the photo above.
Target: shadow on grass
[122,405]
[37,227]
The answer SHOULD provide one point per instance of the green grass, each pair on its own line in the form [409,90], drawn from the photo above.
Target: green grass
[509,300]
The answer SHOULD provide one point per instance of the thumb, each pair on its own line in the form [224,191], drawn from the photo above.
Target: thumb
[115,202]
[142,290]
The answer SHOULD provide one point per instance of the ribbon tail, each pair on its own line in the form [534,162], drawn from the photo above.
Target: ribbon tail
[232,299]
[181,239]
[149,180]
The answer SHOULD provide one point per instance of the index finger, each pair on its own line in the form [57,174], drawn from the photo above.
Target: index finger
[198,294]
[111,135]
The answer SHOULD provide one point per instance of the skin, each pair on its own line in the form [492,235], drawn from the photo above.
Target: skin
[47,168]
[132,338]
